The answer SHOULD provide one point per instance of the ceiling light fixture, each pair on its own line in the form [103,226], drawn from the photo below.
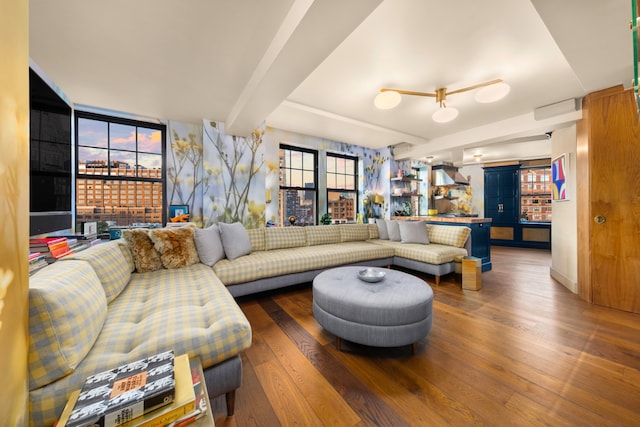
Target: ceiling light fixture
[429,159]
[477,157]
[390,98]
[492,93]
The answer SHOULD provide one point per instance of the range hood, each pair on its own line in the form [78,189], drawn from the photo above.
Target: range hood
[447,175]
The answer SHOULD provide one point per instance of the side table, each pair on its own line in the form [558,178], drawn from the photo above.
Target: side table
[471,273]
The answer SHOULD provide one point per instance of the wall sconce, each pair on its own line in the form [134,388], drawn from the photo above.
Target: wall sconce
[378,199]
[267,196]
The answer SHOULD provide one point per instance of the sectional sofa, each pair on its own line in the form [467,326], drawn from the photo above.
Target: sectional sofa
[174,289]
[276,257]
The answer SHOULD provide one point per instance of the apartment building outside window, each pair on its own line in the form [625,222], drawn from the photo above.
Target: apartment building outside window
[298,185]
[119,170]
[342,196]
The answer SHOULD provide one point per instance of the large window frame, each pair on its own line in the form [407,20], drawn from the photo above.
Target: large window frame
[342,187]
[118,191]
[297,166]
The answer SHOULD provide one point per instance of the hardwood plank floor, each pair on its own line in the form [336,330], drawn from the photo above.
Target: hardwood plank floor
[523,351]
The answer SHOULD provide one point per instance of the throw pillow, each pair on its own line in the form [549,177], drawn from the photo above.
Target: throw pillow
[393,229]
[414,232]
[235,240]
[145,256]
[209,245]
[383,233]
[176,246]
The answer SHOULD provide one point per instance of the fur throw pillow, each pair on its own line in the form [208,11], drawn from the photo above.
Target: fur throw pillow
[176,246]
[145,257]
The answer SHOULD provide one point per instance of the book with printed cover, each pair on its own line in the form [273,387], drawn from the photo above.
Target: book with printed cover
[113,397]
[201,401]
[184,403]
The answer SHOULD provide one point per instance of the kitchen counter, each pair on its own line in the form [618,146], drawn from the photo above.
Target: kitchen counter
[438,218]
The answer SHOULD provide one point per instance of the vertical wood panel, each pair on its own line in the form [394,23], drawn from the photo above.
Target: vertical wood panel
[583,202]
[609,138]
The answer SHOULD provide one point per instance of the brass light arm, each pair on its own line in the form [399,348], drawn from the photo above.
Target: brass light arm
[441,93]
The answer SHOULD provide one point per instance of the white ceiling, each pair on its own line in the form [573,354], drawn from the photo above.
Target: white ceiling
[314,67]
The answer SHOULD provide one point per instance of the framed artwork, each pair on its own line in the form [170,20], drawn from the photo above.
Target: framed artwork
[559,167]
[180,212]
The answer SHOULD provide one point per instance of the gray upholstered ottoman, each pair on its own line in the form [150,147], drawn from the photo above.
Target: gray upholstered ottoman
[394,312]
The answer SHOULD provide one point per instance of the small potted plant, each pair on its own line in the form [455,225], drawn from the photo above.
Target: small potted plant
[325,219]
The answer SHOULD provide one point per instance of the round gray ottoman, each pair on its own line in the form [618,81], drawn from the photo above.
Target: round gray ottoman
[394,312]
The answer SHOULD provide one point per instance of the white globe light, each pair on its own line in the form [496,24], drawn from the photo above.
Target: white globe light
[492,93]
[387,99]
[445,114]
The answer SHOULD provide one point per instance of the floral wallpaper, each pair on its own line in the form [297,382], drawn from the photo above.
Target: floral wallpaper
[226,178]
[185,182]
[234,169]
[220,177]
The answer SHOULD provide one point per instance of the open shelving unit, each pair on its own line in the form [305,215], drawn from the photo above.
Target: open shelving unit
[406,189]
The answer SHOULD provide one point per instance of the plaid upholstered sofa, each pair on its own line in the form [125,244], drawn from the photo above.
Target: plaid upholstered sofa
[285,256]
[91,312]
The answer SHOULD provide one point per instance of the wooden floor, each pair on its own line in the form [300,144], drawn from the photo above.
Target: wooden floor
[523,351]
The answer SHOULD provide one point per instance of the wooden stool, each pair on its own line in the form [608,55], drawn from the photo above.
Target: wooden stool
[471,273]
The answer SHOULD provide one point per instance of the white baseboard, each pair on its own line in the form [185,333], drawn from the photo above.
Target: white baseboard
[564,280]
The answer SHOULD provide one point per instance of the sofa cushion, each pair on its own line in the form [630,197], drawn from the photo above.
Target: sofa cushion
[284,237]
[256,237]
[235,240]
[373,230]
[432,253]
[110,265]
[354,232]
[452,235]
[322,234]
[67,309]
[145,256]
[176,246]
[126,252]
[393,229]
[383,233]
[209,245]
[278,262]
[414,232]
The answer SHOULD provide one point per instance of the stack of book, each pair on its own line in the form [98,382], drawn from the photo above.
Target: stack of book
[36,262]
[140,394]
[52,248]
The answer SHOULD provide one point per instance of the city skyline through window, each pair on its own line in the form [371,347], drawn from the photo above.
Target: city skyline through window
[119,175]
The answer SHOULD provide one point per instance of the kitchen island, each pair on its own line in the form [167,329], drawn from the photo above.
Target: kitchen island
[480,232]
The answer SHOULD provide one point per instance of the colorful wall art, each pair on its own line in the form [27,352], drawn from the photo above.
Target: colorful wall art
[559,178]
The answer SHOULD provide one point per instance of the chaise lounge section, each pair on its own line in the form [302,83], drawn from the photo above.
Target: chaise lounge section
[91,312]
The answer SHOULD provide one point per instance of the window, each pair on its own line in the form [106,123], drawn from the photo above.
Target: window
[298,185]
[119,161]
[342,197]
[535,194]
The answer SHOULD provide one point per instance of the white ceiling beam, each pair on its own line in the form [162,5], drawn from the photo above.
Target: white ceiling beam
[300,45]
[299,118]
[504,130]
